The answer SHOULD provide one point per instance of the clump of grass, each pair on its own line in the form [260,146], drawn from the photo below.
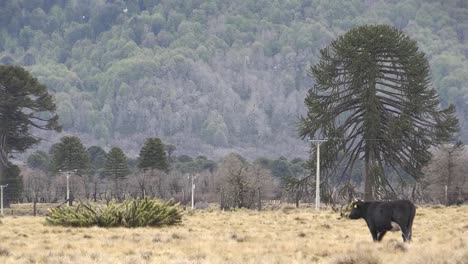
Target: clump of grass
[237,238]
[4,252]
[287,209]
[395,245]
[176,236]
[147,255]
[157,239]
[131,213]
[358,258]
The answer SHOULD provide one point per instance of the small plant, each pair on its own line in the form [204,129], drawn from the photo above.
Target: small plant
[4,252]
[131,213]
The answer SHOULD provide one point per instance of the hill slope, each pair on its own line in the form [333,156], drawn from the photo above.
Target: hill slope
[208,76]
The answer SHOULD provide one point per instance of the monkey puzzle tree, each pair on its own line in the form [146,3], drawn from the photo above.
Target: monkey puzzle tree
[70,155]
[116,168]
[97,160]
[153,155]
[153,159]
[373,100]
[24,104]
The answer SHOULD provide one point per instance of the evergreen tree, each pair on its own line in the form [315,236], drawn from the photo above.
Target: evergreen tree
[69,155]
[372,99]
[39,160]
[153,156]
[12,177]
[116,167]
[97,159]
[24,103]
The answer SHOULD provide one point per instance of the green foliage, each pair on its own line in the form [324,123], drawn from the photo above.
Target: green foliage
[24,103]
[116,164]
[130,213]
[39,160]
[280,168]
[97,159]
[184,158]
[166,58]
[186,164]
[372,99]
[69,155]
[153,155]
[12,177]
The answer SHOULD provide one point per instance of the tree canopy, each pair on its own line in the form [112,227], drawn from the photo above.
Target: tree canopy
[208,74]
[70,155]
[116,164]
[97,159]
[373,100]
[24,104]
[153,155]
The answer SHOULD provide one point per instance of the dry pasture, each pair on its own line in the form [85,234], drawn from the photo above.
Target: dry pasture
[281,236]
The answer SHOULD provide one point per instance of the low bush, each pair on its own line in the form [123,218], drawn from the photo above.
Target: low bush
[130,213]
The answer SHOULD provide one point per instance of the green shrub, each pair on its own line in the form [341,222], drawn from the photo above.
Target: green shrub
[131,213]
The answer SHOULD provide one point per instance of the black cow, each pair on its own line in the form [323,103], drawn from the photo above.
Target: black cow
[380,215]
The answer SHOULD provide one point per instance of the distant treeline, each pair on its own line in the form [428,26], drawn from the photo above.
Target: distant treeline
[208,75]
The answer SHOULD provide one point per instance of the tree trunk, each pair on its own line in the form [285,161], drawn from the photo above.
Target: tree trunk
[34,205]
[71,198]
[368,177]
[259,200]
[95,191]
[448,186]
[2,170]
[298,198]
[371,118]
[222,202]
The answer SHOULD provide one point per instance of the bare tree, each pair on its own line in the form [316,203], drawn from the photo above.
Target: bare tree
[35,187]
[444,176]
[262,183]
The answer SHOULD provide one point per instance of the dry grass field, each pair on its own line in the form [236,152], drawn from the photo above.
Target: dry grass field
[440,235]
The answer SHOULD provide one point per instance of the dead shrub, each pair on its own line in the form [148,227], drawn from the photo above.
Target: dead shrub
[361,257]
[394,245]
[4,252]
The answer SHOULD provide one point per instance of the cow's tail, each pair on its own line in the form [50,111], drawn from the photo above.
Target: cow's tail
[409,227]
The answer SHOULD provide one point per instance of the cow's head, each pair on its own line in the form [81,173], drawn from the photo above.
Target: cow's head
[356,210]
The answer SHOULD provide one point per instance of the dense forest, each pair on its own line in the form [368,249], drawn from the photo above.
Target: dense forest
[208,76]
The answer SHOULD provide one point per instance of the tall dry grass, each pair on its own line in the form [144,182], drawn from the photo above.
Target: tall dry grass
[243,236]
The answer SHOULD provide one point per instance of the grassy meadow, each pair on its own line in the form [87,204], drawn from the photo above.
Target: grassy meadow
[287,235]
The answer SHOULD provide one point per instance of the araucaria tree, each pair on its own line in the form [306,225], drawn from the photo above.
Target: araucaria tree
[116,168]
[24,104]
[373,100]
[70,155]
[153,155]
[153,159]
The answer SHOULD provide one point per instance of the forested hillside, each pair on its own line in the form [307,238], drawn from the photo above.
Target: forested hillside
[209,76]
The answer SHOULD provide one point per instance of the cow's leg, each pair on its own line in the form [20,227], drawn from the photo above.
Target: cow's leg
[410,224]
[374,234]
[380,235]
[404,233]
[408,234]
